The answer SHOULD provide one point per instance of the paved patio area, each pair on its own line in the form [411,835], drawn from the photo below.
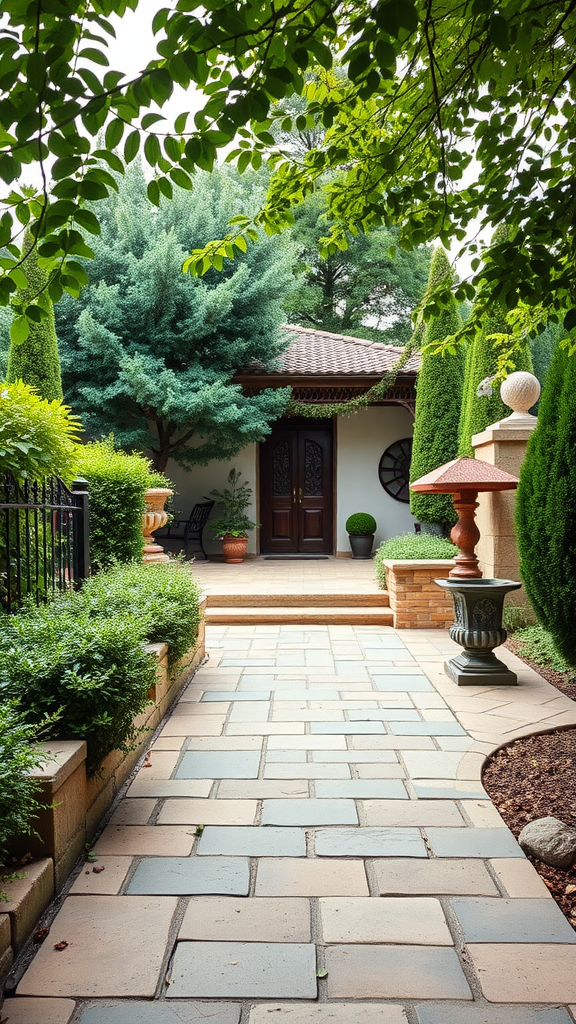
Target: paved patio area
[310,842]
[290,576]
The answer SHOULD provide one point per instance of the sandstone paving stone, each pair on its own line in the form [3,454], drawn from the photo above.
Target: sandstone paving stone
[221,764]
[487,1013]
[188,725]
[287,756]
[183,1012]
[419,921]
[143,786]
[37,1011]
[307,771]
[252,842]
[472,842]
[353,756]
[346,728]
[483,814]
[107,882]
[310,742]
[207,812]
[186,876]
[265,729]
[369,842]
[231,919]
[439,764]
[392,743]
[214,696]
[248,711]
[262,789]
[419,728]
[420,813]
[433,877]
[525,973]
[144,841]
[362,789]
[395,972]
[110,951]
[377,770]
[416,683]
[331,1013]
[162,762]
[512,920]
[224,743]
[447,789]
[242,970]
[283,876]
[385,715]
[133,812]
[520,878]
[309,812]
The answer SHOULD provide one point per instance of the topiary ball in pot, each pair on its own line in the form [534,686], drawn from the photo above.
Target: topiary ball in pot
[361,528]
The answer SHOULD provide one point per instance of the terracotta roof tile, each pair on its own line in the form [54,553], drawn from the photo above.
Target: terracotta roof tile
[321,353]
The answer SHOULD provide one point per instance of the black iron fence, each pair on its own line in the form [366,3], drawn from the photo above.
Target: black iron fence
[44,543]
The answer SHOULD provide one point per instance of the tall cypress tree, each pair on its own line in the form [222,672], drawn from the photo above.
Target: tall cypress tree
[36,360]
[438,398]
[546,507]
[479,411]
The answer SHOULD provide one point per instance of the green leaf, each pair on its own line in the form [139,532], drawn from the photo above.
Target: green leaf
[149,119]
[19,330]
[180,178]
[165,187]
[131,146]
[114,133]
[153,192]
[152,150]
[570,319]
[498,31]
[96,56]
[180,123]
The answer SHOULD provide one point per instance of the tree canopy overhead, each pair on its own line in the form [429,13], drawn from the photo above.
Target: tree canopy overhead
[447,112]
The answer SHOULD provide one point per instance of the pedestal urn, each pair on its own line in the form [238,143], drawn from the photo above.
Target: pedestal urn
[153,518]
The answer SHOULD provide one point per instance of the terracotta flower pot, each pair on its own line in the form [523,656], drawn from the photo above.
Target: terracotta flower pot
[234,548]
[153,519]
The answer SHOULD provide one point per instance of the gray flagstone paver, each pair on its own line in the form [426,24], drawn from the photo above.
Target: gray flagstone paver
[274,836]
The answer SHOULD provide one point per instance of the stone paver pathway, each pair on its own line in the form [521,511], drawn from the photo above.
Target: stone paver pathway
[311,844]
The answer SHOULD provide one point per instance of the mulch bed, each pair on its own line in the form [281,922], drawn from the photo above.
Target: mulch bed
[561,680]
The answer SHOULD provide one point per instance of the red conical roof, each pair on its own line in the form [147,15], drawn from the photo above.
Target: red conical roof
[464,474]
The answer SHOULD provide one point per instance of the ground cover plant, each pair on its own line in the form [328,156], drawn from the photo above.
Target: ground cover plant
[413,546]
[81,659]
[18,791]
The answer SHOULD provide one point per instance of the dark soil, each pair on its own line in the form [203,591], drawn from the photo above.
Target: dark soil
[563,681]
[532,778]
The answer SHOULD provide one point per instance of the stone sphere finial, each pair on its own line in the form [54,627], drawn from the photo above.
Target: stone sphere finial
[520,391]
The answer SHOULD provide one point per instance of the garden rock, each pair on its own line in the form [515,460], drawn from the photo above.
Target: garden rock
[550,840]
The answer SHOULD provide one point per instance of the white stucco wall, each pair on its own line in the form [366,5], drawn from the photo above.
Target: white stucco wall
[361,440]
[193,486]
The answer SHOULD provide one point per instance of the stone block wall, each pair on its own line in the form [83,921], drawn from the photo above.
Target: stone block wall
[416,601]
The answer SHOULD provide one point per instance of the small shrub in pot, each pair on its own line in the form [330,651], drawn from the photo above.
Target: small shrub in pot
[361,528]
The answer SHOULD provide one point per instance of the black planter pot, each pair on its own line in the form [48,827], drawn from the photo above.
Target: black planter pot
[477,627]
[361,544]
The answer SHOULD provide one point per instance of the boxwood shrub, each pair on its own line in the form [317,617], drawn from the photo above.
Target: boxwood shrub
[411,545]
[18,791]
[361,523]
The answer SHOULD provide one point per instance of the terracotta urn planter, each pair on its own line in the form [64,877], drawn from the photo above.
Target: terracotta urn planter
[234,548]
[153,519]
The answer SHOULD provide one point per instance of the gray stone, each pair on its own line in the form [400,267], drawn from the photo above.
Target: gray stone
[512,920]
[407,728]
[188,876]
[550,840]
[218,695]
[447,790]
[395,972]
[160,1013]
[472,842]
[464,1013]
[384,715]
[362,789]
[244,970]
[370,842]
[410,683]
[221,764]
[309,812]
[248,841]
[346,728]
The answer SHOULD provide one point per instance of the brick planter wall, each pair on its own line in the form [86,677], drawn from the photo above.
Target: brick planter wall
[415,599]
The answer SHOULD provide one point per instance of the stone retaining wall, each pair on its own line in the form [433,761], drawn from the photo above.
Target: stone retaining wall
[416,601]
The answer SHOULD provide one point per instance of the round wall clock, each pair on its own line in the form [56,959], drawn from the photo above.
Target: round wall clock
[394,469]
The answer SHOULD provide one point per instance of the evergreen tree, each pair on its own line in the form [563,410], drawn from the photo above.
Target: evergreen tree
[479,410]
[35,360]
[149,353]
[546,507]
[438,398]
[363,290]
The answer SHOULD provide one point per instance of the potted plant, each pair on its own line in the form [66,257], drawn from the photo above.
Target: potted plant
[231,527]
[361,528]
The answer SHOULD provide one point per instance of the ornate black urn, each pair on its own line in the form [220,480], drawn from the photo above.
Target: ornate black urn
[478,628]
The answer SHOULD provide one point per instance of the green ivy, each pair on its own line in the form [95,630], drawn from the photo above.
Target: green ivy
[413,546]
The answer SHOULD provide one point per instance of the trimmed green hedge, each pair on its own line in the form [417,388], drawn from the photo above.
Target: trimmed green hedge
[18,791]
[361,523]
[411,545]
[81,658]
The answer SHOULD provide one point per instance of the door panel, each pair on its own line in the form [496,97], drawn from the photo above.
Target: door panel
[296,490]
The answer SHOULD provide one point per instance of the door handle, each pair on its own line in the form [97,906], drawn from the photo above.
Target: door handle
[294,495]
[300,494]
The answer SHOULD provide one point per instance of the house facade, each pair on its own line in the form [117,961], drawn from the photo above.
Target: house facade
[310,474]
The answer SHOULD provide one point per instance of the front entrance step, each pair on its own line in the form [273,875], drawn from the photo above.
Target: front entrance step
[379,599]
[298,615]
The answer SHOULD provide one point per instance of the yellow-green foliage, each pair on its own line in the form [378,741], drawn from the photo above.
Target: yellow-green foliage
[37,438]
[438,397]
[35,360]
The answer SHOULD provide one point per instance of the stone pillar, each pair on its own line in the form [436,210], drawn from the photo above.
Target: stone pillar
[503,444]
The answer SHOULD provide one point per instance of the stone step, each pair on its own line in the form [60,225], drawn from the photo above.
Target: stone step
[379,599]
[299,615]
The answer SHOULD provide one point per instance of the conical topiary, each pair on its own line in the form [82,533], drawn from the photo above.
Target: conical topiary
[36,360]
[438,398]
[479,411]
[546,507]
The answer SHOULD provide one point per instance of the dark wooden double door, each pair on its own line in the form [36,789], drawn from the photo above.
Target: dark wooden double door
[296,490]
